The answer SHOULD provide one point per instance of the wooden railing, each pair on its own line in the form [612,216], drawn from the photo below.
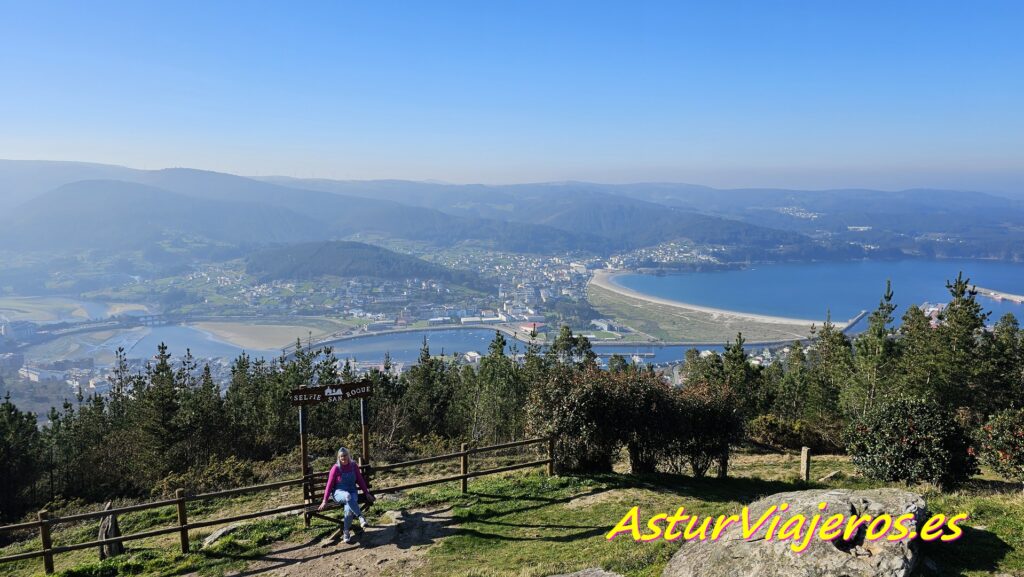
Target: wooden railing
[45,523]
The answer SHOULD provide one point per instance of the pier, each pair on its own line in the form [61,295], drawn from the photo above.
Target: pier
[999,296]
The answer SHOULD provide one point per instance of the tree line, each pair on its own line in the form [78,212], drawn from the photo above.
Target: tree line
[171,426]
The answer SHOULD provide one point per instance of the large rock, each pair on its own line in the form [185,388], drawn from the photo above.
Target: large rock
[733,556]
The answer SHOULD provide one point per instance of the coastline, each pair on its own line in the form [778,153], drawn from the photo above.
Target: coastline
[605,279]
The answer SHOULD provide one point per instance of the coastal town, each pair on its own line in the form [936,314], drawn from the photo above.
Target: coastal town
[532,295]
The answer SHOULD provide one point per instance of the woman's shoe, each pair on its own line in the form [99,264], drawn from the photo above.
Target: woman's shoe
[363,523]
[346,537]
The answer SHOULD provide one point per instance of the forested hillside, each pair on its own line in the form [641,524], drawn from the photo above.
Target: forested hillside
[351,259]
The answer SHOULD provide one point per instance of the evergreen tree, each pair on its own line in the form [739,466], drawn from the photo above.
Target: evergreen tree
[153,416]
[831,370]
[201,420]
[703,369]
[430,390]
[791,399]
[617,363]
[918,364]
[875,360]
[1001,367]
[959,333]
[500,394]
[742,377]
[20,457]
[570,349]
[535,365]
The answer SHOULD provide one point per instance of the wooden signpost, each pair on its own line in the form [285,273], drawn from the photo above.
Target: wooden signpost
[306,396]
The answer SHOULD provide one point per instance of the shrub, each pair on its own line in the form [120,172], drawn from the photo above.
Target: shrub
[221,474]
[578,408]
[911,440]
[593,414]
[644,415]
[784,434]
[1001,444]
[706,422]
[715,422]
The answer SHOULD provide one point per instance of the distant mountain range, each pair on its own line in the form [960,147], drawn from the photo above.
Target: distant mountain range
[79,205]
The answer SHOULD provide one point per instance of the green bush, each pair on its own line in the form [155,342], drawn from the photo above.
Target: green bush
[784,434]
[1001,444]
[911,440]
[645,414]
[220,474]
[579,410]
[708,422]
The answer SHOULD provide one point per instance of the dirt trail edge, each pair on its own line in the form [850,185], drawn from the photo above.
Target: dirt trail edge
[392,549]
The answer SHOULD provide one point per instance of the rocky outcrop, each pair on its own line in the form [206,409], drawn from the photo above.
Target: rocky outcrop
[734,556]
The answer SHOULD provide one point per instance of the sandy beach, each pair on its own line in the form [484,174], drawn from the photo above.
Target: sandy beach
[606,279]
[258,336]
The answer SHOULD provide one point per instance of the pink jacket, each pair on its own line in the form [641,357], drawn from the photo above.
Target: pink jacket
[334,477]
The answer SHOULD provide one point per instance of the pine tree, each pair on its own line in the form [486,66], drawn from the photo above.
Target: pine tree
[791,399]
[741,377]
[20,457]
[153,418]
[959,332]
[535,365]
[570,349]
[500,392]
[617,363]
[430,390]
[917,371]
[831,370]
[875,360]
[1001,367]
[201,420]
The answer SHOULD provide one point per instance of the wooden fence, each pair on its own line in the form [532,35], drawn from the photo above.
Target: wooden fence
[45,523]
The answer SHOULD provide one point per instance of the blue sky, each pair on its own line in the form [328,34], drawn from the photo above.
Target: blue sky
[773,93]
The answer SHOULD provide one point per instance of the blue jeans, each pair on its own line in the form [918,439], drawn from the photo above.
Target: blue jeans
[351,501]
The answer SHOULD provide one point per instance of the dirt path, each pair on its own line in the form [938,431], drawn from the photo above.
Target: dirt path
[394,549]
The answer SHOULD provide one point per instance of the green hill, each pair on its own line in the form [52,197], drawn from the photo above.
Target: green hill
[351,259]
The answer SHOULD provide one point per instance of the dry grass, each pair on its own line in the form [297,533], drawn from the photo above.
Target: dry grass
[677,324]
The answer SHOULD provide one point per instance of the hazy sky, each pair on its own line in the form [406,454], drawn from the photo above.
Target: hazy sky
[781,93]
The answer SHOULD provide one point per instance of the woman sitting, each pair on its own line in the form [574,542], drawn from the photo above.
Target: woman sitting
[341,486]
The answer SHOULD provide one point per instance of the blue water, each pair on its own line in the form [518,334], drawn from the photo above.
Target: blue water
[200,343]
[405,347]
[791,290]
[809,290]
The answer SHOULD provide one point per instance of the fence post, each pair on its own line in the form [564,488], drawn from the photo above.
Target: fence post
[805,464]
[44,538]
[182,520]
[465,468]
[551,456]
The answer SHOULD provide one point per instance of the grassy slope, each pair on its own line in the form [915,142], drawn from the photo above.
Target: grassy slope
[532,525]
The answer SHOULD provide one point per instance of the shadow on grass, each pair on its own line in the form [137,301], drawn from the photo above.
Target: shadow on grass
[977,550]
[729,489]
[994,486]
